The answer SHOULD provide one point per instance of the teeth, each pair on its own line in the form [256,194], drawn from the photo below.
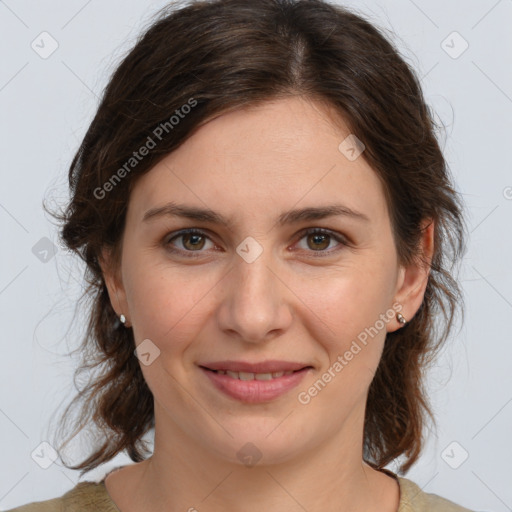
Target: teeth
[263,376]
[253,376]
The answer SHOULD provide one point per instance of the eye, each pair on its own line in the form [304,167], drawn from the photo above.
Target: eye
[318,239]
[194,240]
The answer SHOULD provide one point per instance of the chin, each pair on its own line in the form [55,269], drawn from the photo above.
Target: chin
[263,446]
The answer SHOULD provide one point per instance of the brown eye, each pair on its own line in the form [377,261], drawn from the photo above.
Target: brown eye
[318,241]
[191,241]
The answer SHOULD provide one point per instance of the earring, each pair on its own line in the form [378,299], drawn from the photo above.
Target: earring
[401,318]
[122,318]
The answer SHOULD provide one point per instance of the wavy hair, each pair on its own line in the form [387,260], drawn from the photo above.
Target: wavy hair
[225,55]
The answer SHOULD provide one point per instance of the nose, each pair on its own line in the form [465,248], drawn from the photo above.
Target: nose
[254,308]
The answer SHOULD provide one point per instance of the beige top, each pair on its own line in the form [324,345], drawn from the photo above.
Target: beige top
[91,496]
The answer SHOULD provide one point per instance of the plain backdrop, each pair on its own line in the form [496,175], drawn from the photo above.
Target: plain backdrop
[462,52]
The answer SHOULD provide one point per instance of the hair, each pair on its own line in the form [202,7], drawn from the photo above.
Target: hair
[222,55]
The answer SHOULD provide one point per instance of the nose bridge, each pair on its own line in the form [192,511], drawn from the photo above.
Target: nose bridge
[255,303]
[254,277]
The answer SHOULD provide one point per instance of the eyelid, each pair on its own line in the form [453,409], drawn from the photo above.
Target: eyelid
[342,240]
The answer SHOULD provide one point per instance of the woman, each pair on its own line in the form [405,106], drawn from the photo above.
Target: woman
[269,229]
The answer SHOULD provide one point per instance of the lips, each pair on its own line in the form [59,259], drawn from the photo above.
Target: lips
[256,382]
[253,388]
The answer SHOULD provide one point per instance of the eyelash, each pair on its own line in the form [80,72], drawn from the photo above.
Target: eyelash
[317,254]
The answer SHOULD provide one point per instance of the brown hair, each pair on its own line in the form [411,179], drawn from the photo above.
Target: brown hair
[221,55]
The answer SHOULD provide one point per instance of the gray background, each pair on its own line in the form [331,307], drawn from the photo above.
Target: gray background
[46,105]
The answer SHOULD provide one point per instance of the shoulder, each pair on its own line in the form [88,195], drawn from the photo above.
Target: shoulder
[84,497]
[413,499]
[91,496]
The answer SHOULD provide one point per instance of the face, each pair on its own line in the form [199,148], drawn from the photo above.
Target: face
[315,290]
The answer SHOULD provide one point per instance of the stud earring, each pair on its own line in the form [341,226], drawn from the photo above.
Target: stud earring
[122,318]
[401,318]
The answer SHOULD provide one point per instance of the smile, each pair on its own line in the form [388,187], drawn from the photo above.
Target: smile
[252,376]
[254,388]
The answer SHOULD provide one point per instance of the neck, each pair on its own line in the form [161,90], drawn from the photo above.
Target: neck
[183,475]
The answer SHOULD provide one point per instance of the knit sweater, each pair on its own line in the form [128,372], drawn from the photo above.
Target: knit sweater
[93,497]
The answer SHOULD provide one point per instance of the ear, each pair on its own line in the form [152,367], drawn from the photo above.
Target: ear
[413,278]
[112,277]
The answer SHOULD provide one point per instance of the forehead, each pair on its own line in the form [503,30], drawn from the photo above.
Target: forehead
[264,159]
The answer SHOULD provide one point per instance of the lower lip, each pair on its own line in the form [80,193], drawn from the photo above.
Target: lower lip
[255,391]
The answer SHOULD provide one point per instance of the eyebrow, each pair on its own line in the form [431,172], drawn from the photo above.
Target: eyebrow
[172,209]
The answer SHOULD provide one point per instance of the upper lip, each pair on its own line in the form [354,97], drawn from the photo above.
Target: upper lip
[269,366]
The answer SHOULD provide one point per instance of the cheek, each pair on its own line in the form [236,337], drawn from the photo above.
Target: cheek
[352,337]
[347,302]
[353,306]
[165,302]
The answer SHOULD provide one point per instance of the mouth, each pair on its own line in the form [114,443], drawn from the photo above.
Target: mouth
[253,387]
[255,376]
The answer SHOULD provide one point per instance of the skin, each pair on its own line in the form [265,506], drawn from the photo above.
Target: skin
[251,165]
